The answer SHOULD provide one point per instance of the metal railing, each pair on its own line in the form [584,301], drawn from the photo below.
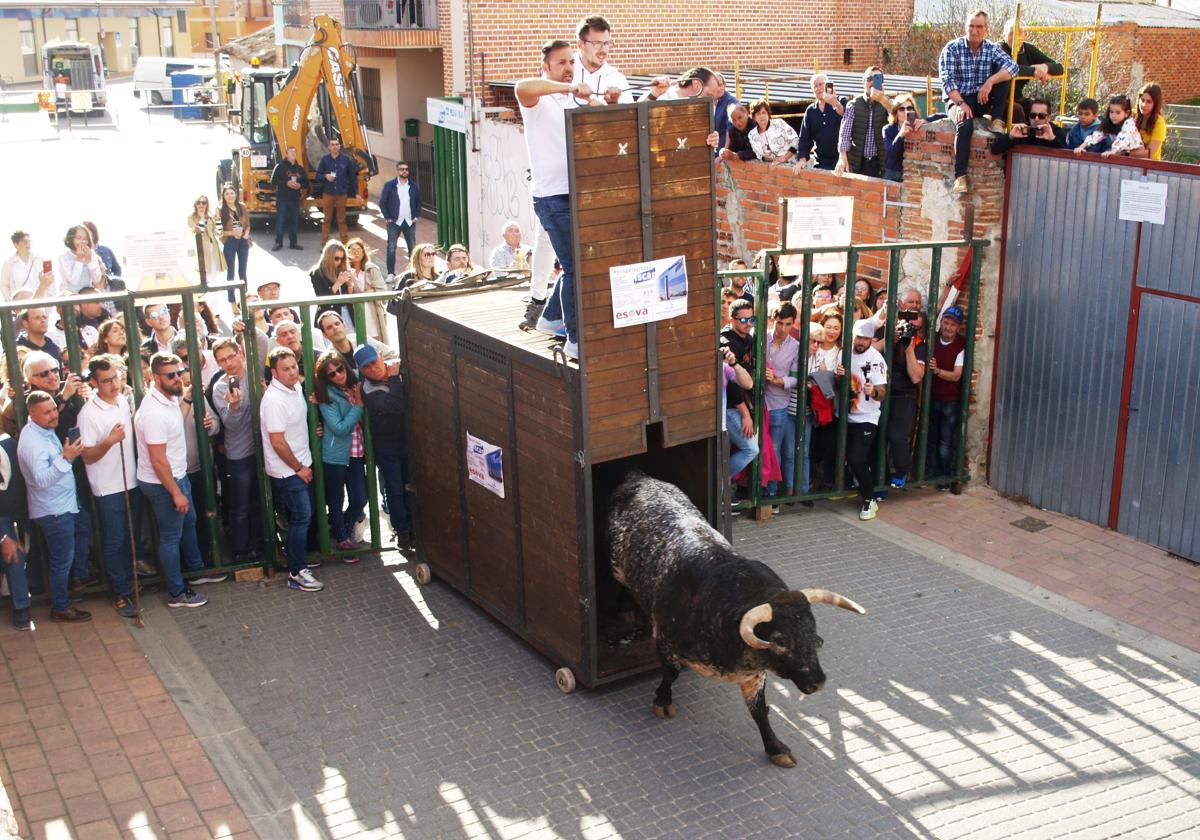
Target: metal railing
[390,14]
[757,495]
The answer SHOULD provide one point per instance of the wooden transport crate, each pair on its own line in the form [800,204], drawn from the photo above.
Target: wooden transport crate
[644,396]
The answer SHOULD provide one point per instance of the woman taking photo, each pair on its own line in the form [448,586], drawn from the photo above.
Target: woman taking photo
[368,278]
[339,399]
[422,266]
[80,267]
[333,276]
[205,223]
[235,233]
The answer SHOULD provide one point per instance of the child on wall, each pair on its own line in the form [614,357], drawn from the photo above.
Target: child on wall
[1118,133]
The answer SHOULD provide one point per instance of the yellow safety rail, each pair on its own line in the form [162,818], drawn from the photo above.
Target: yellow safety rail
[1018,40]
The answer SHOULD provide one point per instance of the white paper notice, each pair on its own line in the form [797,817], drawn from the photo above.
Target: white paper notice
[648,291]
[817,223]
[1143,201]
[485,464]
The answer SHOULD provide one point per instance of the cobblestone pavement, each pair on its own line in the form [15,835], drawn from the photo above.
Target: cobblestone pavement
[953,709]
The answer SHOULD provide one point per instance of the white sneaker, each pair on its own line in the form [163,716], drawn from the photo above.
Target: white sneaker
[869,509]
[571,350]
[305,581]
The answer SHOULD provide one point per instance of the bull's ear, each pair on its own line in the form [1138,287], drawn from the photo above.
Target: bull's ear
[754,617]
[825,596]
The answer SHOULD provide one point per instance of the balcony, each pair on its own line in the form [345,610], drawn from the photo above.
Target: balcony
[390,14]
[379,24]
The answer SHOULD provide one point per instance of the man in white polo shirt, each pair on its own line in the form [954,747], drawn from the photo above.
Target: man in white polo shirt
[162,476]
[288,460]
[105,430]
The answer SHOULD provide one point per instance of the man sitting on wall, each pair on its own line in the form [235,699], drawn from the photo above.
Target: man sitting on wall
[1029,56]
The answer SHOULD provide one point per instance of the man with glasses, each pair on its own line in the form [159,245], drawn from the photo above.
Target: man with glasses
[400,204]
[158,318]
[738,337]
[48,469]
[105,426]
[230,398]
[287,459]
[591,62]
[1039,131]
[162,475]
[42,373]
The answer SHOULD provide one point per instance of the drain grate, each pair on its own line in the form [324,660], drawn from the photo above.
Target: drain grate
[1031,524]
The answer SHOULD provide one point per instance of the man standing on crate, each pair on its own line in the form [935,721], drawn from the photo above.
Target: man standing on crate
[544,102]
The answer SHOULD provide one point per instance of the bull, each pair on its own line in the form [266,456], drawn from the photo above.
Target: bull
[710,610]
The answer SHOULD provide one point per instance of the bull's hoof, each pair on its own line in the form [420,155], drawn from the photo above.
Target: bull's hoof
[664,712]
[783,759]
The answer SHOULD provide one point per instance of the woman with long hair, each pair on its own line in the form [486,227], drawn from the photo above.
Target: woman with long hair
[235,233]
[111,338]
[339,399]
[203,222]
[1151,121]
[332,276]
[368,277]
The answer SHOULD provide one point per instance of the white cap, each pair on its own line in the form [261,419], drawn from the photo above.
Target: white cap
[864,329]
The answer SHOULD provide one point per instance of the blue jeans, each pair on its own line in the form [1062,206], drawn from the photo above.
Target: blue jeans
[296,498]
[392,466]
[287,220]
[747,447]
[554,212]
[176,534]
[939,447]
[245,509]
[342,480]
[18,580]
[236,248]
[115,540]
[394,231]
[68,536]
[783,438]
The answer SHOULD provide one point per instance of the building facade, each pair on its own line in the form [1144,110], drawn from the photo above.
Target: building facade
[235,18]
[123,31]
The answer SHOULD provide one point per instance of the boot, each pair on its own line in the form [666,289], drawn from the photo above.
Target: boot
[532,312]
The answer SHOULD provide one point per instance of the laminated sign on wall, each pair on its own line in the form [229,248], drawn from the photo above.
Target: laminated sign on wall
[816,223]
[485,464]
[648,291]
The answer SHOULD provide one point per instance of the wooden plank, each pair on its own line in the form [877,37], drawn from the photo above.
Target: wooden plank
[601,165]
[662,174]
[679,189]
[687,427]
[619,180]
[611,421]
[594,199]
[628,215]
[612,444]
[678,114]
[612,132]
[700,219]
[669,158]
[599,115]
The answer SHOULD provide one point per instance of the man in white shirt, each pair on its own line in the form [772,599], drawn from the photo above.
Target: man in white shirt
[400,204]
[105,430]
[162,476]
[505,254]
[868,387]
[287,459]
[591,62]
[544,102]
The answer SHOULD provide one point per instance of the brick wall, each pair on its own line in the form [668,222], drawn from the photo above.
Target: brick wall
[1134,55]
[677,34]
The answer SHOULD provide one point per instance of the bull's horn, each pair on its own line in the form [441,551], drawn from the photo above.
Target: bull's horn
[824,596]
[750,620]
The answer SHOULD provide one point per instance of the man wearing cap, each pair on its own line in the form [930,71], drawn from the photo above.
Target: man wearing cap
[868,387]
[383,397]
[949,349]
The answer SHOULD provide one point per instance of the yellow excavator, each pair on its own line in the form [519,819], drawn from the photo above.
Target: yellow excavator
[315,101]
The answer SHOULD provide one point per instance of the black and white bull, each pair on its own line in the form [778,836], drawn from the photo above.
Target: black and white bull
[710,610]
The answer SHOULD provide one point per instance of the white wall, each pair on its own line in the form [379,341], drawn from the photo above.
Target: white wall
[499,177]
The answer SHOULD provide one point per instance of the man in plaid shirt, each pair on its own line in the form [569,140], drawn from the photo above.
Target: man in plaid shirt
[969,67]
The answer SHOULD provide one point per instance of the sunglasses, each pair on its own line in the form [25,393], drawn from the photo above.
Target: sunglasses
[749,320]
[158,313]
[47,372]
[1039,116]
[908,108]
[336,369]
[172,374]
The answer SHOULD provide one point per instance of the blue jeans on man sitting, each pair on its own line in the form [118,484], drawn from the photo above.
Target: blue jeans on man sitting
[68,536]
[746,447]
[554,212]
[177,546]
[295,497]
[394,232]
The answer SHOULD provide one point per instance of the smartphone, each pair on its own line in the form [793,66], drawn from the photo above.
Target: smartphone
[877,81]
[829,87]
[234,383]
[46,266]
[911,117]
[73,434]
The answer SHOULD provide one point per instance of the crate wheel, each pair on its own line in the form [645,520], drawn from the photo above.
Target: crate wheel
[423,574]
[565,680]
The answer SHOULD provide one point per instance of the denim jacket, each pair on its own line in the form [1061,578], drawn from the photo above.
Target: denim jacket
[339,418]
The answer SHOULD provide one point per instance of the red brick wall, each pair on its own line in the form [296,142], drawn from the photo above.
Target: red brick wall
[1133,55]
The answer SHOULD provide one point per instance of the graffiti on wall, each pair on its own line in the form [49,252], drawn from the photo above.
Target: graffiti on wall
[500,169]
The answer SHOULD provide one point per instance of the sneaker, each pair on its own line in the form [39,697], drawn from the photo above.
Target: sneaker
[125,607]
[869,508]
[775,509]
[313,563]
[73,614]
[571,350]
[943,488]
[209,577]
[898,482]
[21,619]
[187,598]
[555,328]
[880,495]
[296,247]
[960,185]
[352,560]
[304,581]
[278,246]
[144,569]
[533,312]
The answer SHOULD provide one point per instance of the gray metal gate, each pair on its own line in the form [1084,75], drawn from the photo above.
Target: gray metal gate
[1096,414]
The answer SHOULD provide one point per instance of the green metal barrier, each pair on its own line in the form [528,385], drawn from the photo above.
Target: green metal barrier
[756,495]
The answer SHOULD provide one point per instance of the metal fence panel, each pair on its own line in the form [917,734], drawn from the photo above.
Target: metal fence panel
[1170,252]
[1163,444]
[1068,264]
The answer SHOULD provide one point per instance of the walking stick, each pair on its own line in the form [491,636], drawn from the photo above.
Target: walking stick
[137,592]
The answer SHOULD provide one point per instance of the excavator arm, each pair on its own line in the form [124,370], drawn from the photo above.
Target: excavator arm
[329,59]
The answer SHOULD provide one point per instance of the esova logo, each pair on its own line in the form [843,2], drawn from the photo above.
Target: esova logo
[335,65]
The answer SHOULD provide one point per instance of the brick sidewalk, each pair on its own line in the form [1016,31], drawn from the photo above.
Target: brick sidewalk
[91,744]
[1101,569]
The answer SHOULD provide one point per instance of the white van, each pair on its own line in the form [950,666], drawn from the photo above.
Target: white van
[77,66]
[152,73]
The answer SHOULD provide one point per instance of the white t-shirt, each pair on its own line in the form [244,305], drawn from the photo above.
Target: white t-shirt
[862,409]
[284,410]
[159,421]
[96,420]
[546,140]
[604,77]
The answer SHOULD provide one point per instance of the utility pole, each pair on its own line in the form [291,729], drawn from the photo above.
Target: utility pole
[216,45]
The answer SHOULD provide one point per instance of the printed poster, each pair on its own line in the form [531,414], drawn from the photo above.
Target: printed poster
[817,223]
[648,291]
[1143,201]
[485,464]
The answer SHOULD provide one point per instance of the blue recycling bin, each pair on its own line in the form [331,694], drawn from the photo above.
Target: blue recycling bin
[183,96]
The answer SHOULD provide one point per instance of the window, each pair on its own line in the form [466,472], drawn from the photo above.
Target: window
[72,33]
[181,20]
[372,98]
[28,52]
[166,37]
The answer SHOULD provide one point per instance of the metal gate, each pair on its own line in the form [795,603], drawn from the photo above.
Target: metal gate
[1095,412]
